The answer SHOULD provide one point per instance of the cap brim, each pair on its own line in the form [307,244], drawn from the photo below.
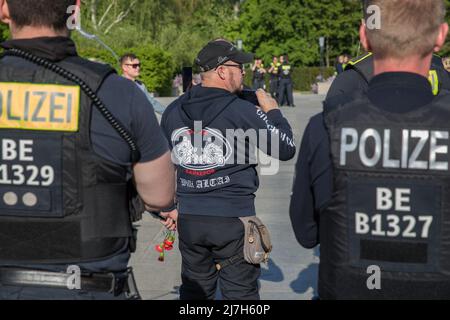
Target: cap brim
[242,57]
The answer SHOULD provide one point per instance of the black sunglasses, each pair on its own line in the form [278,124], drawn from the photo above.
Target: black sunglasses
[134,65]
[240,66]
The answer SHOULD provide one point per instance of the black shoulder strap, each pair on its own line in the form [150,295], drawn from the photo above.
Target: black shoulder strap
[91,70]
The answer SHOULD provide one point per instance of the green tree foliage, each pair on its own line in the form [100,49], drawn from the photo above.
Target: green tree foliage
[185,38]
[445,52]
[157,70]
[167,34]
[282,26]
[177,28]
[4,32]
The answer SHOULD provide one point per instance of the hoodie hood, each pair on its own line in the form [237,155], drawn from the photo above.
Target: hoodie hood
[204,104]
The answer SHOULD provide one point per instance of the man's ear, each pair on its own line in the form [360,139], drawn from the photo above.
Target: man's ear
[363,37]
[442,36]
[221,73]
[4,12]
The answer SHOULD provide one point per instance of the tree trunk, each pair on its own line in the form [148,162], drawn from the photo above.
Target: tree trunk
[93,9]
[237,9]
[327,52]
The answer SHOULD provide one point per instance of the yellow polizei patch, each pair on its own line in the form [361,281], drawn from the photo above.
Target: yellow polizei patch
[44,107]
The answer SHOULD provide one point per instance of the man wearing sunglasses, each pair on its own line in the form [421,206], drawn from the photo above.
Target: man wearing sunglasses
[131,66]
[215,189]
[131,69]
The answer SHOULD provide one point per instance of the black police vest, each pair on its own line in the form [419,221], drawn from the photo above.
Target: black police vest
[257,74]
[285,71]
[59,202]
[386,232]
[274,74]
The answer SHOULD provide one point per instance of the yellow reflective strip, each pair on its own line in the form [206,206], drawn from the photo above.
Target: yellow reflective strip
[434,81]
[360,59]
[44,107]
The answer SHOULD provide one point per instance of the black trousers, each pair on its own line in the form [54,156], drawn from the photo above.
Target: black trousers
[205,241]
[274,87]
[285,92]
[258,84]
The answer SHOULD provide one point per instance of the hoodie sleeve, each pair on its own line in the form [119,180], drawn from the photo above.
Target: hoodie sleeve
[165,125]
[275,136]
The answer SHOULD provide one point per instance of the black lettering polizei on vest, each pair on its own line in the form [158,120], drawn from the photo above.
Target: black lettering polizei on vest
[54,107]
[10,115]
[39,106]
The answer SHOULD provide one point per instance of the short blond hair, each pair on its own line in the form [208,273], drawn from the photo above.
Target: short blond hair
[408,27]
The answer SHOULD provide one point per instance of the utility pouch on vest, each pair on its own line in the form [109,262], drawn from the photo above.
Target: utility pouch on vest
[257,243]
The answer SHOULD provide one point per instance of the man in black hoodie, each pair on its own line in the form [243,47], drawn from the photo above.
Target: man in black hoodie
[216,175]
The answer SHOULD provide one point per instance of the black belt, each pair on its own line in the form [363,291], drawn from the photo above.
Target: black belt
[230,261]
[98,282]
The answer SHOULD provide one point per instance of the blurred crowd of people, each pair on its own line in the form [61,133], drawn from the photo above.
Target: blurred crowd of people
[280,83]
[341,62]
[446,62]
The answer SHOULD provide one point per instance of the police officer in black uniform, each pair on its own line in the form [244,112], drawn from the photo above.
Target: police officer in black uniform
[285,86]
[359,72]
[259,74]
[217,179]
[274,77]
[378,205]
[71,132]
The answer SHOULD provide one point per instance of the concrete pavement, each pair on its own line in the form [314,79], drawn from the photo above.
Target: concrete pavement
[291,273]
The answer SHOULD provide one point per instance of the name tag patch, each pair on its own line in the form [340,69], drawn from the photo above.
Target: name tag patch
[394,224]
[31,175]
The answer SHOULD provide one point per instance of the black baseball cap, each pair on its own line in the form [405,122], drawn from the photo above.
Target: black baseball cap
[218,52]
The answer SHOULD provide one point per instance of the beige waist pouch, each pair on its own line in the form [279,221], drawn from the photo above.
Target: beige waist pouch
[257,243]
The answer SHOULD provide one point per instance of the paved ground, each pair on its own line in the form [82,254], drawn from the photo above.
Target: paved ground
[291,273]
